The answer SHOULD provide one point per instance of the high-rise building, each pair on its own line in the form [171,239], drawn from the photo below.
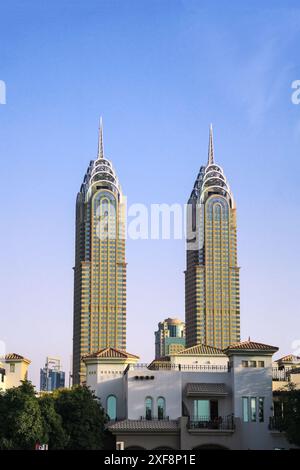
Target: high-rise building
[212,297]
[51,376]
[100,267]
[170,337]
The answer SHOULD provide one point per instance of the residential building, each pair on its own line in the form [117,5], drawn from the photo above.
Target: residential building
[286,371]
[212,293]
[13,369]
[100,266]
[51,376]
[170,337]
[201,398]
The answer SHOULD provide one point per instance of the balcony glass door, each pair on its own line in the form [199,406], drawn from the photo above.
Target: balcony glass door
[202,410]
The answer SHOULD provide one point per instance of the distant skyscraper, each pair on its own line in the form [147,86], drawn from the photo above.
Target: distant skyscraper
[212,296]
[100,267]
[169,338]
[51,376]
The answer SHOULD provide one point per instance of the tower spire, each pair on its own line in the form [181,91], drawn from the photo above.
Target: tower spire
[211,158]
[100,140]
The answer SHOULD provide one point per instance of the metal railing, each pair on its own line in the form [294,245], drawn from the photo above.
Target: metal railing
[182,367]
[276,423]
[280,374]
[154,418]
[204,422]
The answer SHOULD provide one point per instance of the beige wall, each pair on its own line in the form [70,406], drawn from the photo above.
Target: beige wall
[13,378]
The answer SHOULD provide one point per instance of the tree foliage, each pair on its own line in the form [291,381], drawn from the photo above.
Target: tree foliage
[82,416]
[21,420]
[291,414]
[65,419]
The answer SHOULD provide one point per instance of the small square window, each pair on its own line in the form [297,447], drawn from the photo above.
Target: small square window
[252,363]
[245,364]
[261,364]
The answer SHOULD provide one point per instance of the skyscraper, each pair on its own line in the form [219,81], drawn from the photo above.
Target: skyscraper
[51,376]
[170,337]
[100,267]
[212,302]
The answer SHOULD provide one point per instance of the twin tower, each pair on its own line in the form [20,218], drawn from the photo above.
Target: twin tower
[212,298]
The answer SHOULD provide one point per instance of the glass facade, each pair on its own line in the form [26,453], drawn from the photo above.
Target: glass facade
[51,379]
[212,275]
[100,265]
[170,337]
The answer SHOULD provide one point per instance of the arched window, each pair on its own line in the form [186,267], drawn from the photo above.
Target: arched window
[161,408]
[148,408]
[111,407]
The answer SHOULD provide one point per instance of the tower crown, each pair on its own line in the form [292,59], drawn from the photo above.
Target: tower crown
[211,178]
[100,173]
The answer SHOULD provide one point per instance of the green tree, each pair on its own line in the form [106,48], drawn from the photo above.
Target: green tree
[53,432]
[21,421]
[291,414]
[83,418]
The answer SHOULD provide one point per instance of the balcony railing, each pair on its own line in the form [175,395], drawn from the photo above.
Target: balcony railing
[182,367]
[154,418]
[280,374]
[220,423]
[276,423]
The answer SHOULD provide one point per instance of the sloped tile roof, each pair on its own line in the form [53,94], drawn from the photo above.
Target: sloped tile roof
[16,357]
[111,352]
[251,346]
[206,389]
[289,358]
[201,349]
[154,425]
[163,361]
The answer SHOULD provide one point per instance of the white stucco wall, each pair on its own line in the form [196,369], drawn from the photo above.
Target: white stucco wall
[253,382]
[108,379]
[200,360]
[165,384]
[224,403]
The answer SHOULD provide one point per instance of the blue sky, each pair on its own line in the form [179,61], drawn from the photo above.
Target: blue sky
[159,72]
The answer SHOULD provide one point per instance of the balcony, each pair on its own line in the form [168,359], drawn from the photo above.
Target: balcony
[205,424]
[280,375]
[276,423]
[154,418]
[181,367]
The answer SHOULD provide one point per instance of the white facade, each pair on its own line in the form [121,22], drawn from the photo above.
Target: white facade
[229,386]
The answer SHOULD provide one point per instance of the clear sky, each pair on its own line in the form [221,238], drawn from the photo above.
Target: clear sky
[159,71]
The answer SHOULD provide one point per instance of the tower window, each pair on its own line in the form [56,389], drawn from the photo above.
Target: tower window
[161,408]
[111,407]
[148,408]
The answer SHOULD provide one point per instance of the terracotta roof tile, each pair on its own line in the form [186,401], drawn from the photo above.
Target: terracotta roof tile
[111,352]
[154,425]
[289,358]
[16,357]
[213,389]
[251,346]
[201,349]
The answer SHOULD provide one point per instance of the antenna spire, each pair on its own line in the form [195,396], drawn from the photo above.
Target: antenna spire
[211,157]
[100,141]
